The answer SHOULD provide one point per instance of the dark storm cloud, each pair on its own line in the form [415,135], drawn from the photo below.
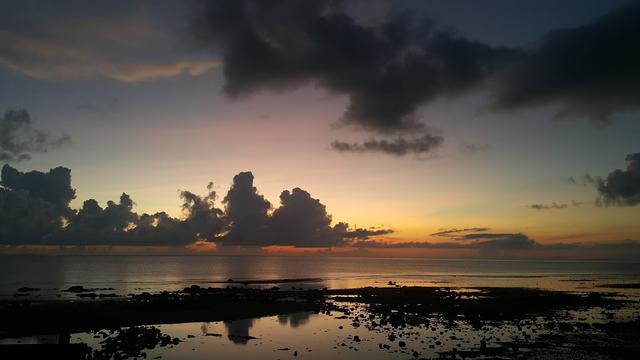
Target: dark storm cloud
[589,71]
[622,187]
[386,70]
[389,68]
[398,147]
[18,137]
[34,210]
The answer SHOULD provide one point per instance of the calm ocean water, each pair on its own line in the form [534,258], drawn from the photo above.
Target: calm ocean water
[309,335]
[134,274]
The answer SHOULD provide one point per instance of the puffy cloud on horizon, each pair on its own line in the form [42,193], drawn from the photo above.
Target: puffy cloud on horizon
[117,224]
[303,221]
[300,221]
[34,210]
[33,204]
[53,187]
[247,212]
[18,137]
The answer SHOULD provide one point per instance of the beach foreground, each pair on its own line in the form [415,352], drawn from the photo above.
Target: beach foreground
[370,322]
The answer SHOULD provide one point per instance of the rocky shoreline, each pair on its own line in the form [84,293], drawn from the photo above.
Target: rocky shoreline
[455,322]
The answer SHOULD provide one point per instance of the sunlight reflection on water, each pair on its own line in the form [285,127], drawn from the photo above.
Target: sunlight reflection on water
[135,274]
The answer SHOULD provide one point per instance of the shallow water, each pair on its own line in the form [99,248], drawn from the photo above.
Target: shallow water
[308,335]
[135,274]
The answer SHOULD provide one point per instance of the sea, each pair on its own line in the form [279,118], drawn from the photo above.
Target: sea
[313,335]
[125,275]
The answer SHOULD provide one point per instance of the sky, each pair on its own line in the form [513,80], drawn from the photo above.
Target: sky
[409,128]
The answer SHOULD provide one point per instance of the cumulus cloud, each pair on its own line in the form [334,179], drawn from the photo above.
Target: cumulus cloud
[618,188]
[299,221]
[18,137]
[25,219]
[398,147]
[120,40]
[34,210]
[386,70]
[303,221]
[246,212]
[621,187]
[33,204]
[53,186]
[589,71]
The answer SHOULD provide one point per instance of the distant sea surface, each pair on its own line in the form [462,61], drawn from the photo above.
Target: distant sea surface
[134,274]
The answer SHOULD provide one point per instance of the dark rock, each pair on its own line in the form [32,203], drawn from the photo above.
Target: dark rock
[76,289]
[28,289]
